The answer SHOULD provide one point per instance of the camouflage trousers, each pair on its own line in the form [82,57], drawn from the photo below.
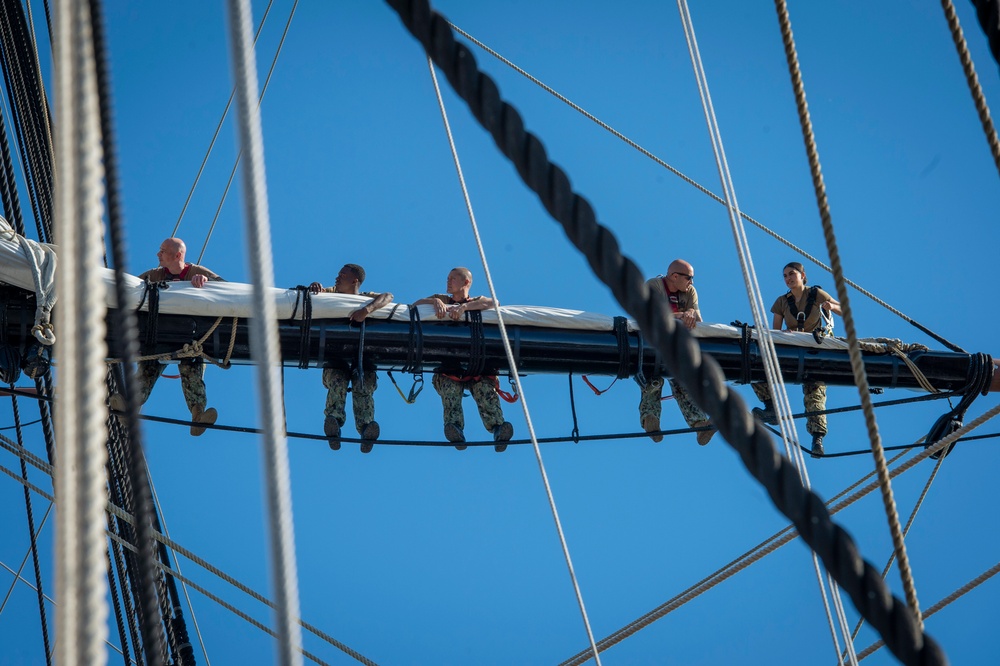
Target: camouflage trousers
[813,398]
[363,402]
[649,404]
[483,392]
[192,371]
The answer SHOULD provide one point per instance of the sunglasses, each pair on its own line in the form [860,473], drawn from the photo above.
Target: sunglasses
[687,277]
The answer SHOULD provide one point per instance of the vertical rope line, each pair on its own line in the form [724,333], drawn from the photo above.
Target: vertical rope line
[215,136]
[857,365]
[774,378]
[513,368]
[239,155]
[264,340]
[982,108]
[81,413]
[31,533]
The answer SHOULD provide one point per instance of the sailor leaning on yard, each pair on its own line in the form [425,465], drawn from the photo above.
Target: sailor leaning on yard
[677,286]
[450,382]
[801,309]
[173,268]
[336,379]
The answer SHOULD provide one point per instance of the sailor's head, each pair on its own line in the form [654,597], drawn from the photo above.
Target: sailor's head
[794,274]
[458,279]
[171,251]
[680,275]
[349,279]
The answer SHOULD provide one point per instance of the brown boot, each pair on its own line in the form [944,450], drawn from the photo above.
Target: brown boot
[651,424]
[201,415]
[705,436]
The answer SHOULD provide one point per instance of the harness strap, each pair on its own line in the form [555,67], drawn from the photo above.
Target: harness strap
[801,317]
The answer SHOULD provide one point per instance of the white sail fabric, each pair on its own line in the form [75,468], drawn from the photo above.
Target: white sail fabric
[33,269]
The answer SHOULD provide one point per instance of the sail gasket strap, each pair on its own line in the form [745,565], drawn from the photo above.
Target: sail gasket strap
[682,355]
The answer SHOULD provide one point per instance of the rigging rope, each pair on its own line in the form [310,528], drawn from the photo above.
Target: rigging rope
[513,368]
[978,98]
[769,354]
[857,365]
[124,321]
[700,374]
[32,536]
[702,188]
[80,411]
[263,339]
[906,530]
[239,155]
[960,592]
[215,136]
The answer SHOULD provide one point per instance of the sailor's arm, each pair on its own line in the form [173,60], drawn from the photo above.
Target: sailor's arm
[379,301]
[440,309]
[482,303]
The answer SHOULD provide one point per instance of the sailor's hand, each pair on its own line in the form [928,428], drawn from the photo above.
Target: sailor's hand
[315,288]
[440,309]
[456,311]
[359,315]
[199,281]
[687,318]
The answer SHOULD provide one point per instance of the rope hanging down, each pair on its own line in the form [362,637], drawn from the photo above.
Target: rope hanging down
[682,355]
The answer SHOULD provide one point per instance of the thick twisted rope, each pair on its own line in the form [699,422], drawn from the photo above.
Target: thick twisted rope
[80,480]
[982,108]
[681,352]
[854,351]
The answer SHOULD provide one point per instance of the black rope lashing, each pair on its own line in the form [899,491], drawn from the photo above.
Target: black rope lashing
[572,406]
[359,369]
[477,343]
[980,377]
[152,292]
[699,374]
[415,351]
[746,338]
[305,325]
[624,347]
[640,375]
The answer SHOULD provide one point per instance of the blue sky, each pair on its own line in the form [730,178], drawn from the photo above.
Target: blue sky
[429,555]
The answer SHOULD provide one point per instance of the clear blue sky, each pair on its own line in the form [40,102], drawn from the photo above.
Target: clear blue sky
[426,555]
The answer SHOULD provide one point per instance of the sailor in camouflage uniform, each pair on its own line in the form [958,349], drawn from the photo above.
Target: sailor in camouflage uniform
[802,309]
[337,378]
[677,286]
[451,383]
[173,268]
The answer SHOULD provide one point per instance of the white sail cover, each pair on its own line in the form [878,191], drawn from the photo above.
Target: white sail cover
[33,269]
